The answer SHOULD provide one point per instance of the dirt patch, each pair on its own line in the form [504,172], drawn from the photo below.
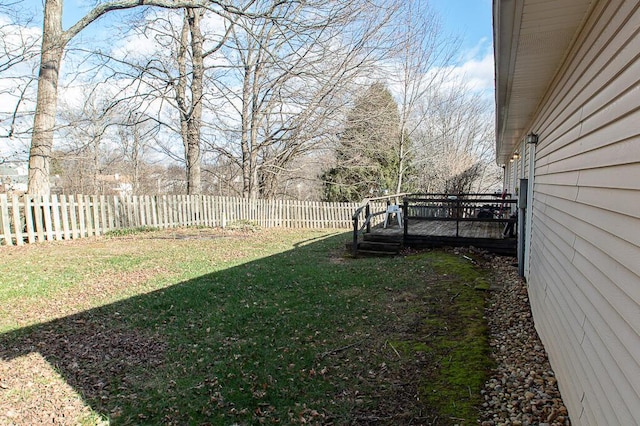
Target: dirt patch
[192,234]
[31,392]
[84,352]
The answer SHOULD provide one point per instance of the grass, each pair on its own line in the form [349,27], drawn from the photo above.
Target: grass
[130,231]
[459,338]
[196,326]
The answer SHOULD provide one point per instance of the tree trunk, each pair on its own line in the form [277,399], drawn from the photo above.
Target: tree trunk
[47,101]
[181,87]
[191,109]
[194,179]
[253,193]
[244,137]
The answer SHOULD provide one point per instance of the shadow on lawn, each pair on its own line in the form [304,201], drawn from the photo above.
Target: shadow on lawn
[247,344]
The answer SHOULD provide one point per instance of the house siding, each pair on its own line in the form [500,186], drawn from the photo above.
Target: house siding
[584,275]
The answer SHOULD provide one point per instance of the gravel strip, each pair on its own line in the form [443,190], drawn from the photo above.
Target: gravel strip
[523,389]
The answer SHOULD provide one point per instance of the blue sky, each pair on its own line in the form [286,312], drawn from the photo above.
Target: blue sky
[469,19]
[472,22]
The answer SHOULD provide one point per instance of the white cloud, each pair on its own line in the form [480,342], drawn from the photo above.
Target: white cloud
[477,72]
[137,46]
[475,69]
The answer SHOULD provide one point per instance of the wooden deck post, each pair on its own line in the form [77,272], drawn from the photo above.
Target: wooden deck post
[367,213]
[405,214]
[457,216]
[354,246]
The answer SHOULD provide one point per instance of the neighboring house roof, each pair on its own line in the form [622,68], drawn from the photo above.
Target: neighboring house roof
[13,176]
[14,168]
[115,178]
[531,41]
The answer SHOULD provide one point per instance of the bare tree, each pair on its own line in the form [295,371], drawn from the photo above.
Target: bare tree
[423,62]
[173,78]
[166,86]
[54,41]
[455,141]
[295,75]
[85,153]
[191,115]
[17,43]
[106,150]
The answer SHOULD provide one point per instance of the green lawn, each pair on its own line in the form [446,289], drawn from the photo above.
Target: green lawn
[203,327]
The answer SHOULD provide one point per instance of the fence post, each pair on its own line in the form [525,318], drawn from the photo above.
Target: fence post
[28,218]
[367,213]
[117,223]
[95,201]
[17,221]
[73,218]
[166,219]
[37,213]
[88,216]
[55,210]
[64,216]
[48,220]
[4,217]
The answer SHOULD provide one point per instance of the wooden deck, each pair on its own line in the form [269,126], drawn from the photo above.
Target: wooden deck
[435,220]
[432,233]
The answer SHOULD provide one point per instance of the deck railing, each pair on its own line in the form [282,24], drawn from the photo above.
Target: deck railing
[369,213]
[458,208]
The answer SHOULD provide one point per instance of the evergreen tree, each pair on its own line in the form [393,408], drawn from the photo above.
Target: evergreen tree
[367,161]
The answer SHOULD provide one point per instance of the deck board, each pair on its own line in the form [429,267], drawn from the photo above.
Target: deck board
[431,233]
[445,229]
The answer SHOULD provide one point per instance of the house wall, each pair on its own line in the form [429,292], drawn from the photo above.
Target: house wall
[584,276]
[517,169]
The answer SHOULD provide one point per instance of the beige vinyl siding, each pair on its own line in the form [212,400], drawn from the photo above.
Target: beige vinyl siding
[584,276]
[524,162]
[509,181]
[580,318]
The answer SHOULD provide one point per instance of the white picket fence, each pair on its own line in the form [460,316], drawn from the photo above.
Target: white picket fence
[29,219]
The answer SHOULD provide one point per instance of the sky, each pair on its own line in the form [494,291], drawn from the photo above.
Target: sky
[471,18]
[472,21]
[468,20]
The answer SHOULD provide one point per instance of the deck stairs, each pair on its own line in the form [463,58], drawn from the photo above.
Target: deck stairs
[378,245]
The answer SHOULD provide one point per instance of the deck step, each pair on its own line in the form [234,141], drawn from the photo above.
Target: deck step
[378,248]
[382,238]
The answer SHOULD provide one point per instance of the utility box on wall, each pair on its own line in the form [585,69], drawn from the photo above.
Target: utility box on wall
[522,215]
[522,193]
